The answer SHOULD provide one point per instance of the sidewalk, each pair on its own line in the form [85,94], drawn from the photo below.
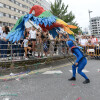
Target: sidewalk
[36,67]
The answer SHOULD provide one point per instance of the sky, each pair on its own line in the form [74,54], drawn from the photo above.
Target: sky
[80,9]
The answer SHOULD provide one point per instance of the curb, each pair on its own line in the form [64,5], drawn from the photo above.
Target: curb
[23,75]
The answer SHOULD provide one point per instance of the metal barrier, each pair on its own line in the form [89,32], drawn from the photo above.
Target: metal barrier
[91,50]
[14,52]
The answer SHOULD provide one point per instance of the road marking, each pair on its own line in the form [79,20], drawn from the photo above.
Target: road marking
[98,70]
[53,72]
[7,98]
[84,70]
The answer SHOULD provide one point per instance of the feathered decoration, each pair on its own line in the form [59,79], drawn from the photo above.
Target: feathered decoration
[45,19]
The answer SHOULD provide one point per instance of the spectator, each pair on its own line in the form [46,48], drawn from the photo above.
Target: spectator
[26,47]
[21,48]
[51,44]
[26,33]
[39,44]
[32,36]
[4,42]
[94,40]
[62,40]
[45,47]
[83,42]
[89,41]
[48,40]
[79,36]
[56,44]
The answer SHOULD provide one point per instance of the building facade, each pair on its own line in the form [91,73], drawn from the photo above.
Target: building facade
[95,25]
[11,10]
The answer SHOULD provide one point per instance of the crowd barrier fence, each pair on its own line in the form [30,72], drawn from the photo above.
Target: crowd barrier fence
[14,51]
[91,50]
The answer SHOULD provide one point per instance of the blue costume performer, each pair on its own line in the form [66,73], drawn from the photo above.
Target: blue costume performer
[80,62]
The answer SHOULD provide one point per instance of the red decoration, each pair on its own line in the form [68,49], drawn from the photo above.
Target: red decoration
[38,10]
[50,27]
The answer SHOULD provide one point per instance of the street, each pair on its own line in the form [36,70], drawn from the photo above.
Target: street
[53,84]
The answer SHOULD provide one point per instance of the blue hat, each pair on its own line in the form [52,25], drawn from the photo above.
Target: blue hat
[70,43]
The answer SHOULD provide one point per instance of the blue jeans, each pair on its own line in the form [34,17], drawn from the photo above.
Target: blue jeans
[4,46]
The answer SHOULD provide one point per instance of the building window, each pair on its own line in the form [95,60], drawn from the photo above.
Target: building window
[21,12]
[12,8]
[1,14]
[17,18]
[12,16]
[1,5]
[12,1]
[17,3]
[7,15]
[7,6]
[4,23]
[4,5]
[20,4]
[4,14]
[16,10]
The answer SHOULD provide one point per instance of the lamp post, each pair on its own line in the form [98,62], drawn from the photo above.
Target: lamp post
[90,20]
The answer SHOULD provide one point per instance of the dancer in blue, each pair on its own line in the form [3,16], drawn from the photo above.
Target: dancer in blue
[80,62]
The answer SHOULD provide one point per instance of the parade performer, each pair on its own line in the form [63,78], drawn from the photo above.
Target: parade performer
[45,19]
[80,62]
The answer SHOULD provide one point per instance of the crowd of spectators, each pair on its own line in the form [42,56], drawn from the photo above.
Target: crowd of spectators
[90,44]
[35,43]
[84,40]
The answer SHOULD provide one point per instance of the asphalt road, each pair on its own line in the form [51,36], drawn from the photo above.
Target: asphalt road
[51,86]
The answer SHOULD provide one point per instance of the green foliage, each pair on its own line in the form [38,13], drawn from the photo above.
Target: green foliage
[60,10]
[76,31]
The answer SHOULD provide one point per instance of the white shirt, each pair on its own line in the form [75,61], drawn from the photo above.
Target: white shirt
[32,34]
[94,40]
[25,43]
[3,35]
[83,42]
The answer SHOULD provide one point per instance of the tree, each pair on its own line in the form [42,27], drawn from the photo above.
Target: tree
[77,30]
[60,10]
